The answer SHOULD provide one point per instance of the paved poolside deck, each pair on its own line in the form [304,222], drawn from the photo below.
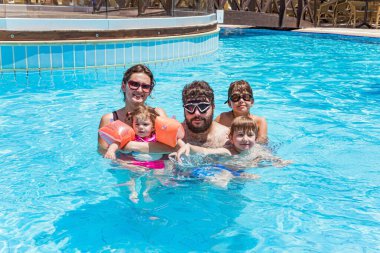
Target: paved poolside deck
[373,33]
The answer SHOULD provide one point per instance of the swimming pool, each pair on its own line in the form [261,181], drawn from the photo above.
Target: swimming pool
[320,95]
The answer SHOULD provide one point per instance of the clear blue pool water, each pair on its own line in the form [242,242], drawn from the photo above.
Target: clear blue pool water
[320,95]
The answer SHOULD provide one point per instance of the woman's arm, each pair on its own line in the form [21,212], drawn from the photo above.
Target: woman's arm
[105,120]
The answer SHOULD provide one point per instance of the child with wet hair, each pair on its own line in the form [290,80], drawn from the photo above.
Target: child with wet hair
[240,100]
[143,119]
[242,143]
[242,138]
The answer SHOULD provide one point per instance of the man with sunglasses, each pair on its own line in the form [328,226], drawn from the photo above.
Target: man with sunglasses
[200,129]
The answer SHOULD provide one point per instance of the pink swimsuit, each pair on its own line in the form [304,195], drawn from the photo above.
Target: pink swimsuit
[155,164]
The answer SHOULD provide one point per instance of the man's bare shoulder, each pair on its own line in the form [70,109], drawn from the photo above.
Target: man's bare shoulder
[225,114]
[219,128]
[225,118]
[218,136]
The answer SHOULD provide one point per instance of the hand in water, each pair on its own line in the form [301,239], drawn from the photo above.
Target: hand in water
[176,156]
[184,161]
[110,155]
[249,176]
[281,163]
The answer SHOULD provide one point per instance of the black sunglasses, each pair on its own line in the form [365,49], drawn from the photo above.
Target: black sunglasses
[236,97]
[202,107]
[133,85]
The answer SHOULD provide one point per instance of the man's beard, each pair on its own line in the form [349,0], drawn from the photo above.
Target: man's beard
[201,129]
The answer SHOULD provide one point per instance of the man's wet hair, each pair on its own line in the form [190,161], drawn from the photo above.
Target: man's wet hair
[198,91]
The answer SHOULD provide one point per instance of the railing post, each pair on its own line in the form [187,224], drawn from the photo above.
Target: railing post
[213,5]
[281,13]
[315,13]
[252,5]
[106,8]
[169,8]
[140,7]
[299,12]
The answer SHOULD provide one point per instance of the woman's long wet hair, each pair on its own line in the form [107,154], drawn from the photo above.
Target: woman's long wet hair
[138,68]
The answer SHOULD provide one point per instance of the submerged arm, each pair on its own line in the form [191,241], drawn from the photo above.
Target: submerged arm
[148,147]
[111,151]
[266,155]
[209,151]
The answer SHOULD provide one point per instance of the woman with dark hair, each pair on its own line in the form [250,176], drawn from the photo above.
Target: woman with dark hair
[138,83]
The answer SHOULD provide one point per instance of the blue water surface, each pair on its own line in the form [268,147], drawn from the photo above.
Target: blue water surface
[320,95]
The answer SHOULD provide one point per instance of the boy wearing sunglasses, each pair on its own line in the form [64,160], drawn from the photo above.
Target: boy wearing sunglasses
[240,100]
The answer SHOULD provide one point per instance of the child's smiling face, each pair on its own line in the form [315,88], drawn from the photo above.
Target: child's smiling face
[243,140]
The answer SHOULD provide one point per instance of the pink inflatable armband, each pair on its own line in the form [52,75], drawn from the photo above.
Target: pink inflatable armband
[168,131]
[117,131]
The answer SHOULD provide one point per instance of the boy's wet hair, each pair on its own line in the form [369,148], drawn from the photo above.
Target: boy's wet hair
[138,68]
[240,86]
[198,91]
[245,124]
[144,112]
